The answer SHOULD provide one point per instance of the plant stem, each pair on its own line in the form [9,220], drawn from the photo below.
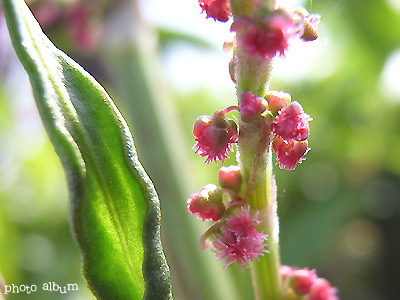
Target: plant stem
[265,273]
[255,159]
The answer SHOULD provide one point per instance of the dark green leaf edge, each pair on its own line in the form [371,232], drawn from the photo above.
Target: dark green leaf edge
[155,268]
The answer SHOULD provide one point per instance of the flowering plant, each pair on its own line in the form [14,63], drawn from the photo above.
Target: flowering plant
[244,208]
[115,210]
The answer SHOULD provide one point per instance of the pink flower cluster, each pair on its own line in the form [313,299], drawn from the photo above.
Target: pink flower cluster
[272,34]
[292,130]
[266,37]
[239,239]
[234,235]
[305,283]
[208,203]
[289,125]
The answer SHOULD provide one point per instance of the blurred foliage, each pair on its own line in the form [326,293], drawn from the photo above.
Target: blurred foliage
[339,210]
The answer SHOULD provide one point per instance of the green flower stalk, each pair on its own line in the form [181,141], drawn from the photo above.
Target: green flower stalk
[246,230]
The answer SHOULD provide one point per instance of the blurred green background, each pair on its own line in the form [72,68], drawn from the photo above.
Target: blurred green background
[162,63]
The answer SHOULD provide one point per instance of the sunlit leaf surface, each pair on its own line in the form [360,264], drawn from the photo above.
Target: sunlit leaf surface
[115,210]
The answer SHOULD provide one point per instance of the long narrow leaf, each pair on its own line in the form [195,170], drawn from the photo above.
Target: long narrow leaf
[115,210]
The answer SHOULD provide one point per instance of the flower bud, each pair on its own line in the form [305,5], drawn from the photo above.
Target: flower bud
[292,123]
[217,9]
[214,136]
[277,101]
[322,290]
[230,178]
[289,152]
[301,281]
[207,203]
[310,24]
[251,106]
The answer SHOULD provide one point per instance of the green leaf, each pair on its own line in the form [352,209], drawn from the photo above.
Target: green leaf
[115,209]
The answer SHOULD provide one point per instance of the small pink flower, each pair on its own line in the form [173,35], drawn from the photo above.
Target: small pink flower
[292,123]
[207,203]
[267,37]
[322,290]
[217,9]
[240,249]
[241,224]
[289,152]
[302,281]
[277,101]
[240,241]
[214,137]
[310,24]
[306,284]
[251,106]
